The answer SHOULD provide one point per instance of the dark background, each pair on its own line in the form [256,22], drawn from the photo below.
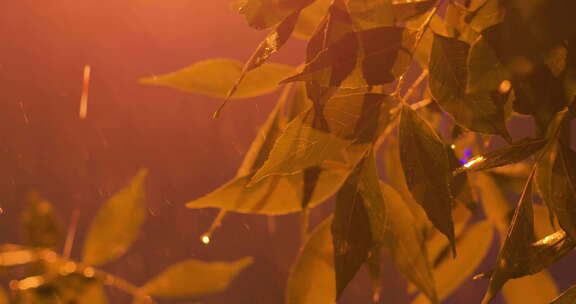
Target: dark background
[77,164]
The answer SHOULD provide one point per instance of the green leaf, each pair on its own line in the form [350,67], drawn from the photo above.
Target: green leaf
[473,246]
[312,278]
[480,112]
[404,242]
[513,153]
[556,180]
[194,278]
[262,14]
[40,227]
[273,195]
[216,77]
[117,224]
[427,170]
[369,14]
[567,297]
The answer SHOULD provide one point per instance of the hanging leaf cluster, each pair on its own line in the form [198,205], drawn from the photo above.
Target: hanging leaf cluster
[43,275]
[400,114]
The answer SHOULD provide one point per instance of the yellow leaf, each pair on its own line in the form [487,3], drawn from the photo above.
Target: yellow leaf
[312,279]
[117,224]
[215,78]
[194,278]
[273,195]
[472,248]
[535,289]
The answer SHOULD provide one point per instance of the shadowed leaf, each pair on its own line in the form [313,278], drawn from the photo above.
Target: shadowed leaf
[311,279]
[485,71]
[94,294]
[404,242]
[40,227]
[427,170]
[479,112]
[556,180]
[216,77]
[193,278]
[117,224]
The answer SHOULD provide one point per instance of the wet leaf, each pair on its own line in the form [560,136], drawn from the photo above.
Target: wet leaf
[427,170]
[556,180]
[513,153]
[535,289]
[216,77]
[117,223]
[404,242]
[567,297]
[40,227]
[273,195]
[194,278]
[473,246]
[312,277]
[480,112]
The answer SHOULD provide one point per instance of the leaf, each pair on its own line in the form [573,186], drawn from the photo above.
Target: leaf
[556,180]
[117,224]
[489,13]
[273,195]
[369,14]
[262,14]
[360,221]
[216,77]
[360,59]
[513,153]
[473,246]
[404,242]
[194,278]
[480,112]
[310,18]
[535,289]
[567,297]
[485,71]
[311,279]
[40,226]
[299,147]
[427,170]
[355,118]
[520,237]
[374,265]
[271,44]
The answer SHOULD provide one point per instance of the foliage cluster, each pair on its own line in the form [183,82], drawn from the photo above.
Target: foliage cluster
[394,99]
[41,275]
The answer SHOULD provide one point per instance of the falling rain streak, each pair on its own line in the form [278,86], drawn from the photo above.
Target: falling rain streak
[84,98]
